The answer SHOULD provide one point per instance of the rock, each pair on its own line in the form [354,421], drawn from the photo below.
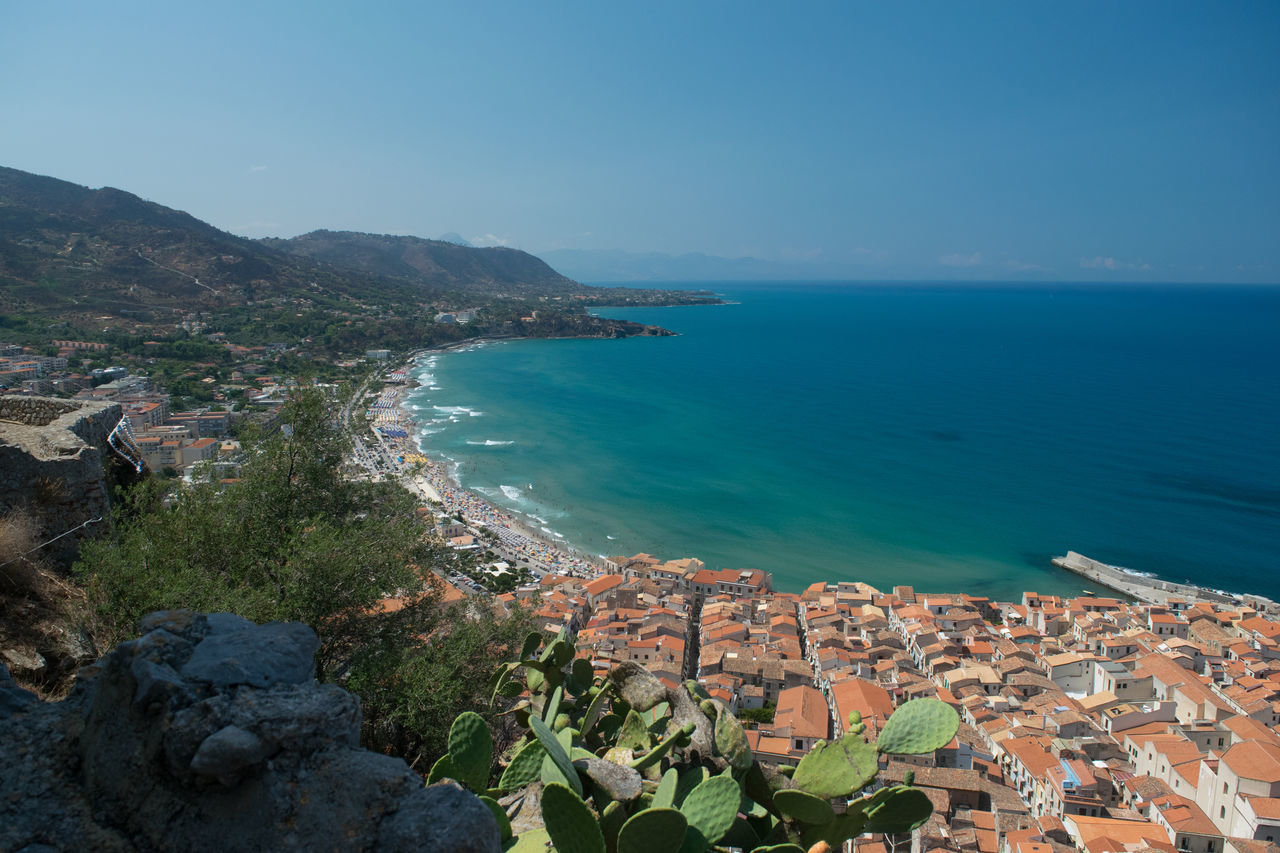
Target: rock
[228,751]
[25,662]
[524,809]
[442,818]
[640,688]
[260,656]
[13,699]
[208,733]
[619,781]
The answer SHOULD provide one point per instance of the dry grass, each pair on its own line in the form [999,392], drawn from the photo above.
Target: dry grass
[19,574]
[40,611]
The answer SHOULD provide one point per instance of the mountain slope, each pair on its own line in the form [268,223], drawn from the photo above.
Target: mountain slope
[433,263]
[68,249]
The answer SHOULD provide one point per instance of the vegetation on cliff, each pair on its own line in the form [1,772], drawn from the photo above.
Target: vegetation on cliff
[292,539]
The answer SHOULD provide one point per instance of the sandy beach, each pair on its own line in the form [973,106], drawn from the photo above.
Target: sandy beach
[434,482]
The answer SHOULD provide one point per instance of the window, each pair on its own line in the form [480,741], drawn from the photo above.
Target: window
[1224,787]
[1222,812]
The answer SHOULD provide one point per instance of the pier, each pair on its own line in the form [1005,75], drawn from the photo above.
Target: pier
[1150,589]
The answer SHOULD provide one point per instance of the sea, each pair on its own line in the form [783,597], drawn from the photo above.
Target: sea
[951,437]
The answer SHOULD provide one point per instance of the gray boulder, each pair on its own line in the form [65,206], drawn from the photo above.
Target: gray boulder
[209,733]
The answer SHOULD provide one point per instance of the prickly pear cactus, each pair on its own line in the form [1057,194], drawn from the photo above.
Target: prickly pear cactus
[629,765]
[838,768]
[919,726]
[654,830]
[471,750]
[902,810]
[802,806]
[556,754]
[711,807]
[570,822]
[525,766]
[731,741]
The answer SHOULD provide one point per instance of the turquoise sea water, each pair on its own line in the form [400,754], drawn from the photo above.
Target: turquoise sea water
[950,437]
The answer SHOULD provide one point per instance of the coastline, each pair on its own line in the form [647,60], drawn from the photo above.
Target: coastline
[443,478]
[514,538]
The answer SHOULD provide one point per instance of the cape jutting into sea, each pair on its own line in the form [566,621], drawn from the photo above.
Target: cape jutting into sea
[950,437]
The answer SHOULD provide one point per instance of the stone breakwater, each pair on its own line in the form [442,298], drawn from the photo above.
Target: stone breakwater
[1151,589]
[53,456]
[209,733]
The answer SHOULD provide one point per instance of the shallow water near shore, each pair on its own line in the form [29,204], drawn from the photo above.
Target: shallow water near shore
[951,437]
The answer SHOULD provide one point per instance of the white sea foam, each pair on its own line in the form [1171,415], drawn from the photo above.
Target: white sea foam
[491,443]
[511,492]
[452,410]
[607,536]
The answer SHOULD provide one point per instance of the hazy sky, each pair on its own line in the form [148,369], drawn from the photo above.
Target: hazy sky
[1126,141]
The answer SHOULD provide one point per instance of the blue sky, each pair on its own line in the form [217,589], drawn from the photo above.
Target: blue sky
[1074,141]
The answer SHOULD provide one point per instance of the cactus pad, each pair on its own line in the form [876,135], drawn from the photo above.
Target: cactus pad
[919,726]
[836,831]
[471,750]
[556,754]
[731,741]
[689,779]
[531,643]
[657,830]
[581,676]
[500,815]
[570,822]
[552,706]
[593,711]
[902,810]
[441,770]
[525,766]
[780,848]
[634,734]
[837,769]
[712,806]
[665,796]
[530,841]
[802,806]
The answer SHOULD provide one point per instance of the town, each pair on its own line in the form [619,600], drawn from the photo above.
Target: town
[1091,723]
[1088,723]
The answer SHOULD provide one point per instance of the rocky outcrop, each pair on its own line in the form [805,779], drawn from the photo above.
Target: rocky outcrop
[53,464]
[210,733]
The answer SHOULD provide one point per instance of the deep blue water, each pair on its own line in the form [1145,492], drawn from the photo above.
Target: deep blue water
[950,437]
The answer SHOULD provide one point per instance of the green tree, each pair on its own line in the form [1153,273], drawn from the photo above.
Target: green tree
[291,539]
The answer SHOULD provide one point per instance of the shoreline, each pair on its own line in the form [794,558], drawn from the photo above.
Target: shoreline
[518,540]
[443,481]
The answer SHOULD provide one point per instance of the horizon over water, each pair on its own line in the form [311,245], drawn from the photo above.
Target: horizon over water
[953,437]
